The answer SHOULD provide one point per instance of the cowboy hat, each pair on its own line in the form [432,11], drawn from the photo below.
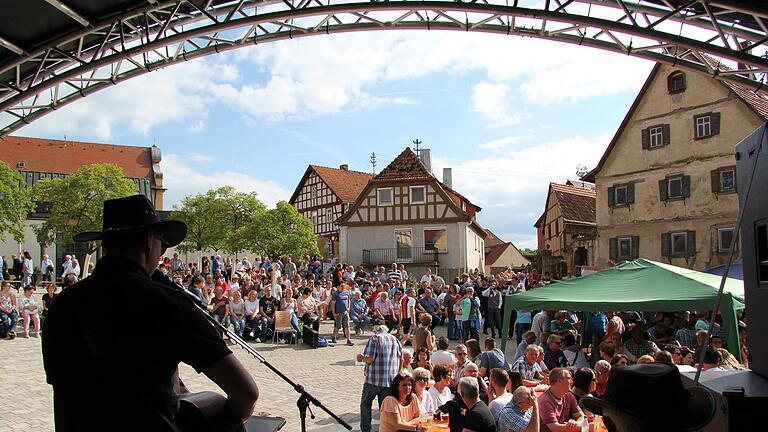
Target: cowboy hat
[131,215]
[649,391]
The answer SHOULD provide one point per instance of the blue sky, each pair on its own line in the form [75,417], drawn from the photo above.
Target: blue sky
[508,114]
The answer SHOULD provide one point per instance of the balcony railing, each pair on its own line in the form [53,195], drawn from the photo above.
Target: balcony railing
[413,255]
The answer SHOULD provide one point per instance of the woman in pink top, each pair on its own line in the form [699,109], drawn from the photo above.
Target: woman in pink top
[400,410]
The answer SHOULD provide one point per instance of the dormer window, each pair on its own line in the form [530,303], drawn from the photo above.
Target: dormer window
[676,82]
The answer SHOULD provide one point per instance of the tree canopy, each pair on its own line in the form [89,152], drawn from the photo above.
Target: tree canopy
[233,222]
[16,203]
[216,219]
[76,203]
[282,231]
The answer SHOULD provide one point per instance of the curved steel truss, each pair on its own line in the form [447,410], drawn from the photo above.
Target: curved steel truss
[724,38]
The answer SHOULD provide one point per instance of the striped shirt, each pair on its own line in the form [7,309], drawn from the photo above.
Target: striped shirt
[512,419]
[387,357]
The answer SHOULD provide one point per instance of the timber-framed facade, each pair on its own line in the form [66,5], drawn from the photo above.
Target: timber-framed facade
[323,195]
[406,215]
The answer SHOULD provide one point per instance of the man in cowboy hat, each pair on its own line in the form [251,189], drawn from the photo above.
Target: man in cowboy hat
[113,341]
[627,406]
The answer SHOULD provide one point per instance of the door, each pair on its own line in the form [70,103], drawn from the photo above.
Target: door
[404,245]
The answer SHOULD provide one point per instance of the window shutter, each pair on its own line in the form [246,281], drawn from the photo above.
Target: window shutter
[611,196]
[665,134]
[715,123]
[715,178]
[666,244]
[646,138]
[630,193]
[686,186]
[695,129]
[691,243]
[613,248]
[663,189]
[635,247]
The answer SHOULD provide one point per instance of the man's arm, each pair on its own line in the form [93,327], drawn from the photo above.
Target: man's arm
[533,425]
[242,392]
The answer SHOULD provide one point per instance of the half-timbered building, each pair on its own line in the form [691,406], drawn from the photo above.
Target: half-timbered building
[406,215]
[322,195]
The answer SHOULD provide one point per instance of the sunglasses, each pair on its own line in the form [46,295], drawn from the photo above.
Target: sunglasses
[462,354]
[163,242]
[423,379]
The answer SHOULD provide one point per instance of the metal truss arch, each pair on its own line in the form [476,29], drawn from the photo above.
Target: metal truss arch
[725,39]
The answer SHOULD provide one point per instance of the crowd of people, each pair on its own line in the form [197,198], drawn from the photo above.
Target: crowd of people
[416,375]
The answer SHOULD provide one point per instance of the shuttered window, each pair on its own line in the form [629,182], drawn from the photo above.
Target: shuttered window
[676,186]
[624,248]
[706,125]
[723,180]
[677,244]
[621,194]
[655,136]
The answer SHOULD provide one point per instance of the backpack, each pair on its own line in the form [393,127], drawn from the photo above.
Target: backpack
[321,342]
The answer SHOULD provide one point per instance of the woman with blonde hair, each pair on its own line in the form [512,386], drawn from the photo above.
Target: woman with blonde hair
[728,361]
[427,403]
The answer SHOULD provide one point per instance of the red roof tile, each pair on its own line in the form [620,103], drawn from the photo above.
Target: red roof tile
[405,166]
[347,185]
[66,157]
[576,204]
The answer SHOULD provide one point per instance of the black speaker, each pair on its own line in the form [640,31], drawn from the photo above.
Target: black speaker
[752,154]
[309,336]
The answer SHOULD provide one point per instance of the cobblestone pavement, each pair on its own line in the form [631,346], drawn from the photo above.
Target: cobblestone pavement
[329,374]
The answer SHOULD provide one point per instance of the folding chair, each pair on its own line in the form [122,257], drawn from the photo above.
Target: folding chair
[283,326]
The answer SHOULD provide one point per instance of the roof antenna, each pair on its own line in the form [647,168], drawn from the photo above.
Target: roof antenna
[417,144]
[373,162]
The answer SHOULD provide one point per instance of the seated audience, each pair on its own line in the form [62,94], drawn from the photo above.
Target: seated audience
[422,359]
[308,310]
[553,352]
[407,360]
[472,371]
[427,404]
[50,294]
[528,367]
[478,417]
[529,338]
[441,391]
[584,383]
[558,409]
[400,410]
[497,392]
[359,313]
[492,358]
[639,345]
[602,372]
[29,310]
[443,356]
[520,415]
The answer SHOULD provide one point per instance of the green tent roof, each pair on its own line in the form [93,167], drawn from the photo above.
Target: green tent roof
[641,285]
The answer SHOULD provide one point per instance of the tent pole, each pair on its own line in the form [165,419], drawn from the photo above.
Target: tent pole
[505,327]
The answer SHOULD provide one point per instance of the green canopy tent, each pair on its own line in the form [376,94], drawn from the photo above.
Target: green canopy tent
[640,285]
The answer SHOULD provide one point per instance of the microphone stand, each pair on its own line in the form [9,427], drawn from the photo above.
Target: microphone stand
[304,397]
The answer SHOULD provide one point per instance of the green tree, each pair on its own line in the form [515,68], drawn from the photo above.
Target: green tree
[76,203]
[16,203]
[240,210]
[282,231]
[218,219]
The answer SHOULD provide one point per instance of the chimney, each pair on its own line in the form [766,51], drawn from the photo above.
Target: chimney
[448,177]
[344,167]
[426,158]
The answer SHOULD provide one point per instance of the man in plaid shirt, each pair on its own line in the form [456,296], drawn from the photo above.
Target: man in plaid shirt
[382,356]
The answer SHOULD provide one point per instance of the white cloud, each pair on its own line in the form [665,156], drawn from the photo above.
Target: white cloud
[511,187]
[494,102]
[177,94]
[183,180]
[201,158]
[501,143]
[197,126]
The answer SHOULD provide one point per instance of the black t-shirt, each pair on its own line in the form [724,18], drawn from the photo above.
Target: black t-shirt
[221,310]
[48,300]
[480,419]
[270,305]
[109,373]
